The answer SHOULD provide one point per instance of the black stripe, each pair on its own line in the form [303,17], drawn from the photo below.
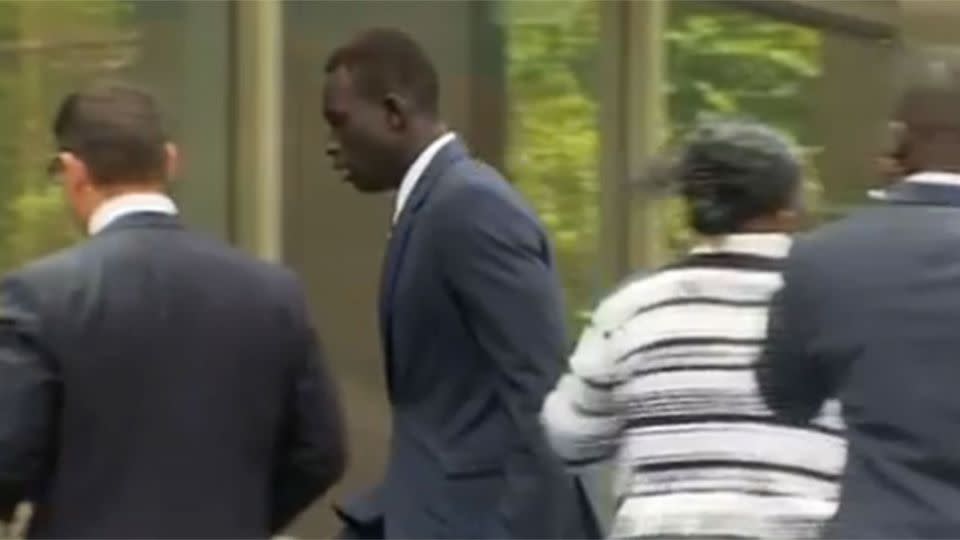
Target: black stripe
[603,386]
[729,463]
[697,536]
[699,353]
[735,261]
[693,367]
[683,342]
[680,419]
[688,301]
[587,461]
[591,413]
[744,491]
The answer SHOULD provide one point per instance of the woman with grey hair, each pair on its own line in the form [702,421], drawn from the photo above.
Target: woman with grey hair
[663,375]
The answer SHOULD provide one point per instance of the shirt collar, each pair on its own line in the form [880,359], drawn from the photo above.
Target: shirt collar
[760,244]
[416,170]
[935,177]
[130,203]
[939,178]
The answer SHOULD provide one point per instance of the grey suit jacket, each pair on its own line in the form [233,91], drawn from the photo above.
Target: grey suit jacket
[473,338]
[155,383]
[869,312]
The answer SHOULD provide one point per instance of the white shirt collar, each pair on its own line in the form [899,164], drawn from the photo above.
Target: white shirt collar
[923,177]
[417,169]
[130,203]
[762,244]
[935,177]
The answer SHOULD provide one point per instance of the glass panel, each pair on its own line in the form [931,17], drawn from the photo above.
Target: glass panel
[552,54]
[50,48]
[796,78]
[731,62]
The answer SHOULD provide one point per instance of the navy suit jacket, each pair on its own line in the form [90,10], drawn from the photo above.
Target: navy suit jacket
[155,383]
[870,312]
[473,336]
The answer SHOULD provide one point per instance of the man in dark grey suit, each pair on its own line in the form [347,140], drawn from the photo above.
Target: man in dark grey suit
[869,312]
[155,382]
[470,312]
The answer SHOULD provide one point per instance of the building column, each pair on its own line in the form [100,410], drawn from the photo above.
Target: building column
[646,123]
[258,163]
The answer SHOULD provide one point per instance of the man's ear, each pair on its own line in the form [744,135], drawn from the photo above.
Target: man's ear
[75,172]
[173,160]
[398,111]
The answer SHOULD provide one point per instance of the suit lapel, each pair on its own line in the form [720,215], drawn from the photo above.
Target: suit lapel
[399,236]
[399,240]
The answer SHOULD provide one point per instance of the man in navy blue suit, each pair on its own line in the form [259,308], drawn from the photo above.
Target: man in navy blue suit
[470,310]
[869,313]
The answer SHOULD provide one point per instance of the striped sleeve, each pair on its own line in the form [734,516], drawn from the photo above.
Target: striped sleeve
[582,415]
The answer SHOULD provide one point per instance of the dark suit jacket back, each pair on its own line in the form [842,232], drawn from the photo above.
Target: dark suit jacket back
[870,312]
[174,390]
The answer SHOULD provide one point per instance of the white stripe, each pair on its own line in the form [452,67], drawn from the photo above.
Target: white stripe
[739,515]
[732,479]
[683,323]
[776,445]
[730,284]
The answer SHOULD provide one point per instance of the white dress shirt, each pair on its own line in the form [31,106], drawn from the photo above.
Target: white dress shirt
[924,177]
[130,203]
[935,177]
[417,169]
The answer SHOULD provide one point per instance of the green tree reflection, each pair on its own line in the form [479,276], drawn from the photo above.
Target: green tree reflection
[720,60]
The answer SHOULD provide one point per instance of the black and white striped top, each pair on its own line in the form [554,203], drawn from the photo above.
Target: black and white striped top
[663,378]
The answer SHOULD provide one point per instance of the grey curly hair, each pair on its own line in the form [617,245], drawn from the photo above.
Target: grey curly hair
[732,171]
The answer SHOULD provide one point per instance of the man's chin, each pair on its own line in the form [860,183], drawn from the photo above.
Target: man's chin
[364,187]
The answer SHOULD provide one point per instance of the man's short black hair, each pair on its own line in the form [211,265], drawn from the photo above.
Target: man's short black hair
[383,61]
[116,130]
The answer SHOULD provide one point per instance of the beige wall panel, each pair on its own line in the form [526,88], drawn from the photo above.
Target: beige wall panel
[853,103]
[930,21]
[875,11]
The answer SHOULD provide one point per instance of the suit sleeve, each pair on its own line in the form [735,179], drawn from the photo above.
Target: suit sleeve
[791,378]
[497,261]
[313,451]
[29,387]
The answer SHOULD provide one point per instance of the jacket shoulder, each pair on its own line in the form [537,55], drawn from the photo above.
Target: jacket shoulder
[51,268]
[232,260]
[472,187]
[838,237]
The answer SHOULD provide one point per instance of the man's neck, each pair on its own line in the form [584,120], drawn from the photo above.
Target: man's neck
[420,140]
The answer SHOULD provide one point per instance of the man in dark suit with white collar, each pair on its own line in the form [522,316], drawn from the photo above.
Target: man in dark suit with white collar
[470,311]
[155,382]
[869,313]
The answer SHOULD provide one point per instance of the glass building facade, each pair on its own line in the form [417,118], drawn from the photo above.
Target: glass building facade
[570,98]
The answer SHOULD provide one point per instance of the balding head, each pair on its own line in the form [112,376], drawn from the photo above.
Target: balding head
[928,111]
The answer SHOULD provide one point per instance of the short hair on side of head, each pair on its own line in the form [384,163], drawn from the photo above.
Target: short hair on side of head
[385,60]
[732,171]
[117,130]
